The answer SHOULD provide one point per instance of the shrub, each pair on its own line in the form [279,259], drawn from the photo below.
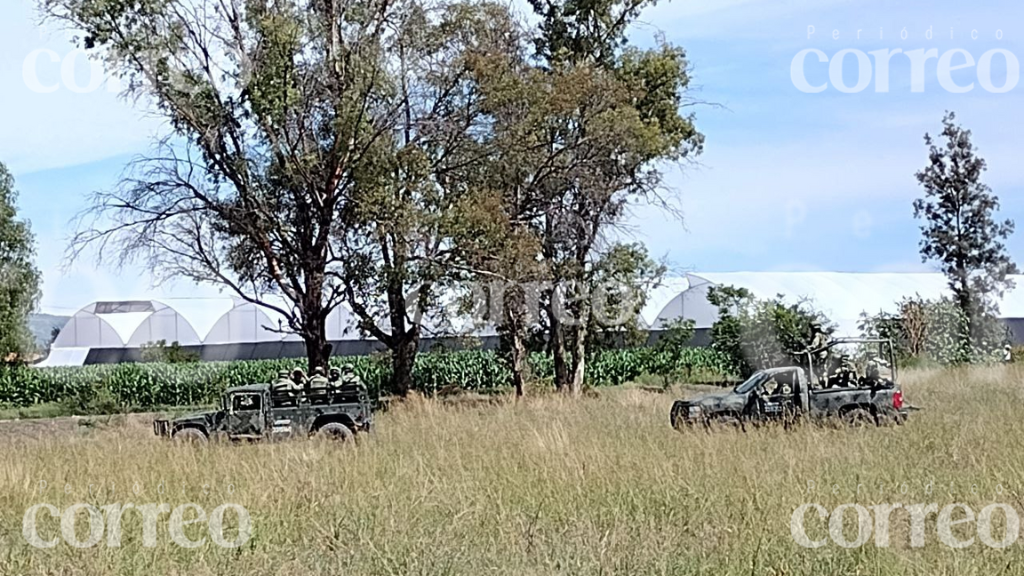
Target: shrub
[756,334]
[937,331]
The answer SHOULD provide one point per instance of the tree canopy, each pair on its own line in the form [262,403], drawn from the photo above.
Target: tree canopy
[360,152]
[19,278]
[960,231]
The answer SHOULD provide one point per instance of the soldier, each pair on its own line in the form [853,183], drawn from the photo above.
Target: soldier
[334,377]
[871,371]
[318,382]
[817,351]
[283,382]
[1007,354]
[819,339]
[348,376]
[845,374]
[877,371]
[298,380]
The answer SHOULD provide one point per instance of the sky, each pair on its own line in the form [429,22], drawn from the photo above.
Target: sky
[789,180]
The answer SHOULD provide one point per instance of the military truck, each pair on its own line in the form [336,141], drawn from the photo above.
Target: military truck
[257,412]
[829,385]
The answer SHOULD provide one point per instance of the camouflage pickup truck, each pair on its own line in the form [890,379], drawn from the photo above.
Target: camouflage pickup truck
[255,412]
[830,386]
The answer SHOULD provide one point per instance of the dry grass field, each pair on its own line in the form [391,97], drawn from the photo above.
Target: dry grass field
[546,486]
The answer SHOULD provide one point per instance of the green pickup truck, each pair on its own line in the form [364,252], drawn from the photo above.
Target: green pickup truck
[828,386]
[256,412]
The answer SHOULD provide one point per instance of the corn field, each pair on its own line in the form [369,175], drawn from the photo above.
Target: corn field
[147,385]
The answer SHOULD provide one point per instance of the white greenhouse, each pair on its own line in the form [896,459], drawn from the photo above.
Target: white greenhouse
[228,329]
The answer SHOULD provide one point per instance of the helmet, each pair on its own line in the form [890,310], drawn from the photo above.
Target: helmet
[347,367]
[334,372]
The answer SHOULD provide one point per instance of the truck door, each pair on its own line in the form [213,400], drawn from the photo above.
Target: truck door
[783,390]
[803,395]
[247,414]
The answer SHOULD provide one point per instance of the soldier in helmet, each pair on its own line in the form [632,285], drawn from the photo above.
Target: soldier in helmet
[318,381]
[334,376]
[283,382]
[348,376]
[816,349]
[877,371]
[819,339]
[845,374]
[298,380]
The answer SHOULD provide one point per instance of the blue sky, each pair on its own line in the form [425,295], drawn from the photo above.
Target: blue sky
[789,180]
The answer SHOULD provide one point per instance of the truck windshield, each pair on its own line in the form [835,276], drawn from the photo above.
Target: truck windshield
[751,383]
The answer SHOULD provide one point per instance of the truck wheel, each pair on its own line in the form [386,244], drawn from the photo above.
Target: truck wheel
[335,431]
[859,418]
[190,436]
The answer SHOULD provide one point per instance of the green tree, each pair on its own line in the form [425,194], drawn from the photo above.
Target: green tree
[617,115]
[960,231]
[758,334]
[315,153]
[411,202]
[618,283]
[274,108]
[670,350]
[19,278]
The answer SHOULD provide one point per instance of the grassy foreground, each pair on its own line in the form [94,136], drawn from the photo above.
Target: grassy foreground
[547,486]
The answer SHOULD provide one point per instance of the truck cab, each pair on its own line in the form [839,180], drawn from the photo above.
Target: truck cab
[256,412]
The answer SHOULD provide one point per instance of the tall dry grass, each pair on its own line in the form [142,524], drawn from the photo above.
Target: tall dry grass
[546,486]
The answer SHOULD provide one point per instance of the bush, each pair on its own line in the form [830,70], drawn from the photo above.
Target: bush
[936,331]
[114,387]
[161,351]
[757,334]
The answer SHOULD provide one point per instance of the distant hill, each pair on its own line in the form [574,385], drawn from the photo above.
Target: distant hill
[42,326]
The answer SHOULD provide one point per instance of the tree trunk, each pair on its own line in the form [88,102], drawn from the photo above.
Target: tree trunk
[403,359]
[517,353]
[579,361]
[318,351]
[966,305]
[514,336]
[556,343]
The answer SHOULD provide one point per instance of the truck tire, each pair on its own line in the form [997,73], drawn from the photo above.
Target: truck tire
[190,436]
[859,418]
[336,431]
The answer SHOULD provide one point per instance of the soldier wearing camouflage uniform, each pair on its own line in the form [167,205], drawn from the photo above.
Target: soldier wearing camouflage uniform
[283,383]
[318,382]
[845,374]
[298,380]
[349,377]
[817,351]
